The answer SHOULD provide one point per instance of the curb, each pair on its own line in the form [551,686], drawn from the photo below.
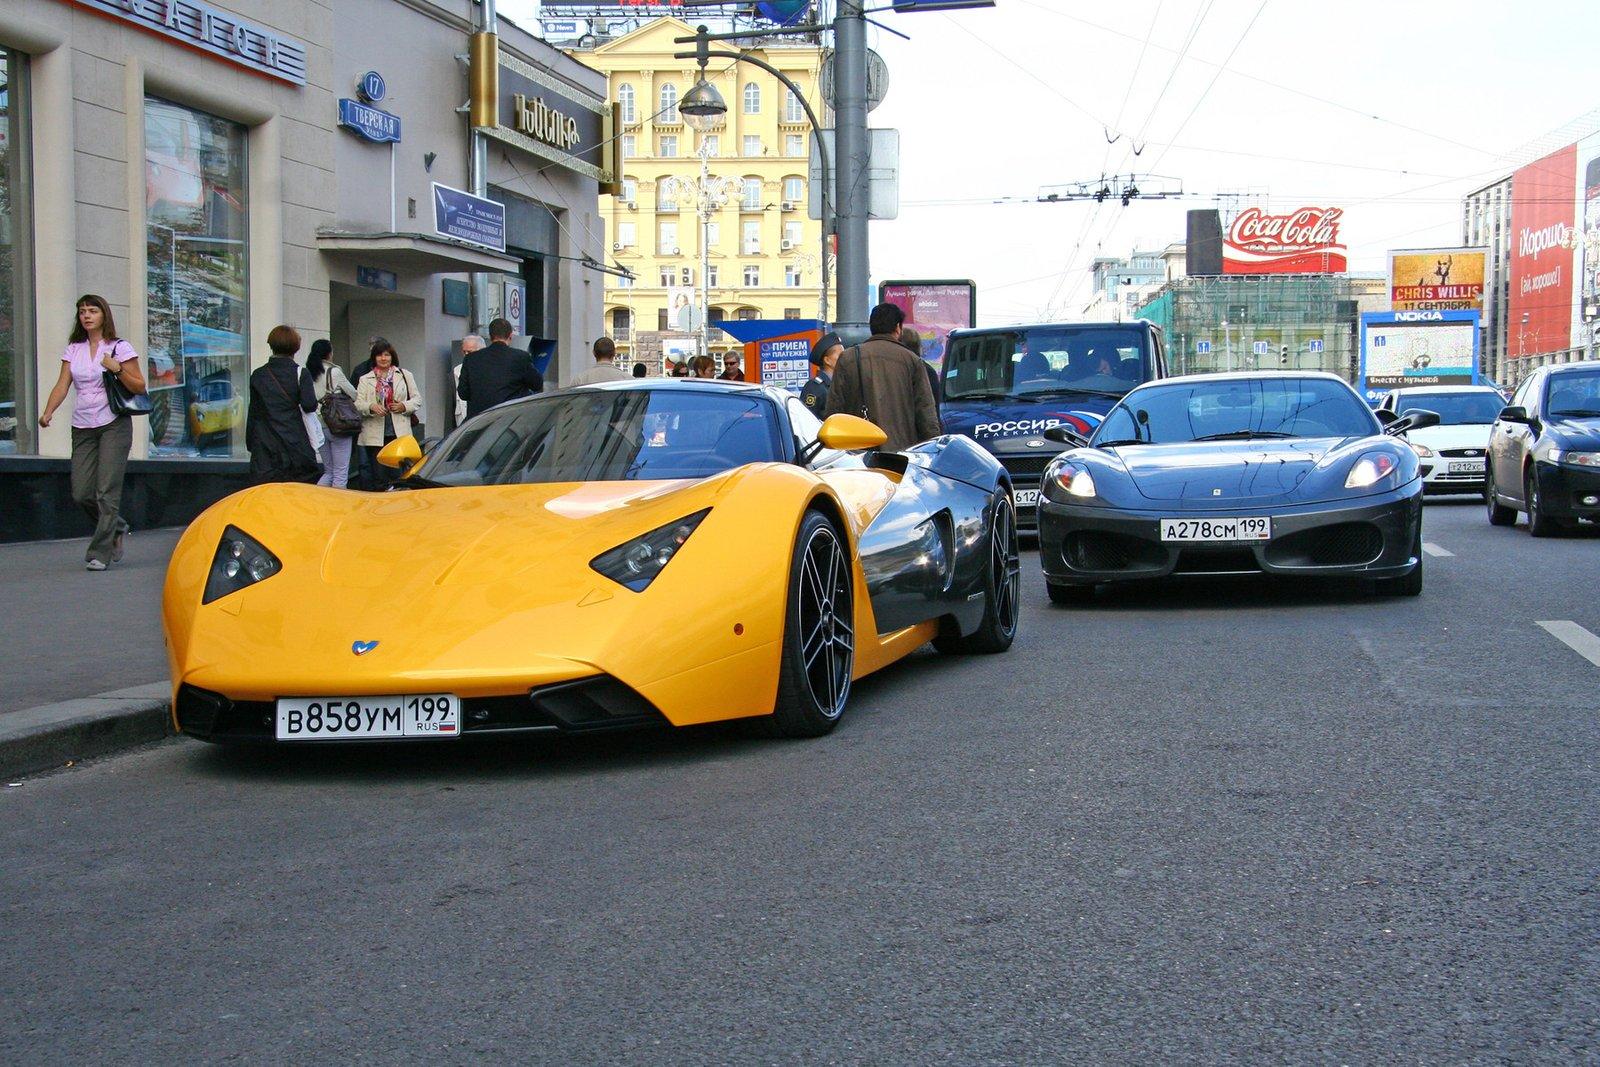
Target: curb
[43,738]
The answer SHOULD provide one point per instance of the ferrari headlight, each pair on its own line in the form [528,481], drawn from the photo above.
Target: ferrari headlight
[1076,480]
[1422,450]
[240,561]
[1576,459]
[1371,469]
[636,563]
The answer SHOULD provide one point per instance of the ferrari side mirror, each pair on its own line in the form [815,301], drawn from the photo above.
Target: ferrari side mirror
[1415,419]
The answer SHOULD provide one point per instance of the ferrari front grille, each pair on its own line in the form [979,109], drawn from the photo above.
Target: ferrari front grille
[1101,551]
[1344,544]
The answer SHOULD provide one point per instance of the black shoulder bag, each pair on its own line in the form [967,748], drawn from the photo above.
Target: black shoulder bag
[121,399]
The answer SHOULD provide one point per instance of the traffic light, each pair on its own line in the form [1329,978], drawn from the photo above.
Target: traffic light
[1283,355]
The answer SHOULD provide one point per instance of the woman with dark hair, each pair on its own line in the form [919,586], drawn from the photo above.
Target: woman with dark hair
[640,370]
[281,395]
[101,439]
[386,396]
[326,377]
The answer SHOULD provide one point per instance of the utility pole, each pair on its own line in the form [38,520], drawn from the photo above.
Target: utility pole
[486,66]
[851,162]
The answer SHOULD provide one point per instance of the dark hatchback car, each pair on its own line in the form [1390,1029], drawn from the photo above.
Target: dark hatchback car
[1544,451]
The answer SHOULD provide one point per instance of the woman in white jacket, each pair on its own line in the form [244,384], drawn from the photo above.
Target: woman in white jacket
[386,396]
[326,377]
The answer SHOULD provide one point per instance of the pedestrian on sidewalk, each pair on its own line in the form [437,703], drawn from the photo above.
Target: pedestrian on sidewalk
[282,394]
[730,368]
[882,382]
[641,371]
[101,439]
[497,373]
[469,344]
[702,367]
[913,342]
[824,356]
[336,448]
[605,367]
[386,396]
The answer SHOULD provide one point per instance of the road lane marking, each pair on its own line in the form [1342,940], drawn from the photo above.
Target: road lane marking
[1434,550]
[1576,638]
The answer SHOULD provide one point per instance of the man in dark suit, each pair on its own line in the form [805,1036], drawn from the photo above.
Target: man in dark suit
[497,372]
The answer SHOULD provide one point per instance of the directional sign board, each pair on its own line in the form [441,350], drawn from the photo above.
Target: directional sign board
[1316,344]
[1261,348]
[1202,348]
[464,217]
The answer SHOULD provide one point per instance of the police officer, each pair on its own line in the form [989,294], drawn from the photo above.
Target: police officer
[824,354]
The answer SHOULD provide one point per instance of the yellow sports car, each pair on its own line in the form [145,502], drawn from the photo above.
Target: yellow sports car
[671,551]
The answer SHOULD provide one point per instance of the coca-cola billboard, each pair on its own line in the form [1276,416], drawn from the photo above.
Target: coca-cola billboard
[1305,241]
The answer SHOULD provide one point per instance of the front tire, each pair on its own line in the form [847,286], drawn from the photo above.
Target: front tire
[1539,524]
[1499,514]
[1001,582]
[1406,584]
[1069,596]
[818,652]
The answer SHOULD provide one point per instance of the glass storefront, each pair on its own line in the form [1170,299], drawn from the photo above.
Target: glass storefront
[195,268]
[16,272]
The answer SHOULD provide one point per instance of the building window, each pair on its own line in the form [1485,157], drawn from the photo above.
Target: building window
[627,235]
[791,277]
[716,315]
[752,98]
[794,144]
[630,113]
[666,195]
[713,234]
[791,313]
[752,280]
[630,146]
[750,238]
[624,281]
[712,143]
[666,276]
[748,313]
[752,144]
[791,234]
[17,361]
[667,239]
[669,146]
[621,324]
[792,111]
[750,196]
[630,191]
[668,111]
[195,258]
[713,280]
[661,318]
[794,189]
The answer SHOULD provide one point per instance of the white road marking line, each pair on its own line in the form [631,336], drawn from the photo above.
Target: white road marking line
[1576,638]
[1434,550]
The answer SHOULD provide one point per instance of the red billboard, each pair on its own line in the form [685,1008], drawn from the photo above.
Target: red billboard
[1543,239]
[1305,241]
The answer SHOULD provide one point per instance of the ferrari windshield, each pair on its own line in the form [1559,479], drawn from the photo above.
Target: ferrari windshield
[1104,359]
[1455,409]
[1223,409]
[604,435]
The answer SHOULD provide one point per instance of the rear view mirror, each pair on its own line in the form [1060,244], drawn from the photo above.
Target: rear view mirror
[401,452]
[1515,413]
[848,433]
[1385,416]
[1065,435]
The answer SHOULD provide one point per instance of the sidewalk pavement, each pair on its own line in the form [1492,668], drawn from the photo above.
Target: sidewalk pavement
[85,670]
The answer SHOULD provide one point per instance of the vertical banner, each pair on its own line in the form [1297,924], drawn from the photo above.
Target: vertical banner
[1543,249]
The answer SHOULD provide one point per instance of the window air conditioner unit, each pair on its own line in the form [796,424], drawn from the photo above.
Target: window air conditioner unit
[617,247]
[788,205]
[633,205]
[786,245]
[676,252]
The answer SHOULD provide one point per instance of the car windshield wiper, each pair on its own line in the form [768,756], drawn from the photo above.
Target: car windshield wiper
[1070,390]
[1124,441]
[1243,435]
[417,481]
[992,395]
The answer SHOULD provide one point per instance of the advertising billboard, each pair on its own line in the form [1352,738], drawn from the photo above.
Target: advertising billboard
[933,308]
[1303,241]
[1414,348]
[1543,252]
[1437,279]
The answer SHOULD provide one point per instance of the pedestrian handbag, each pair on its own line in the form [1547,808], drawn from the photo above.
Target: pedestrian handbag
[121,399]
[339,412]
[417,430]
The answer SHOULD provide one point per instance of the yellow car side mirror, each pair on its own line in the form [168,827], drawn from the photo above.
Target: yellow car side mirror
[401,452]
[848,433]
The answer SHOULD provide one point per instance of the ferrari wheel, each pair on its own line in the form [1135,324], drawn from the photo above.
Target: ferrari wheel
[1499,514]
[1001,582]
[1407,584]
[818,633]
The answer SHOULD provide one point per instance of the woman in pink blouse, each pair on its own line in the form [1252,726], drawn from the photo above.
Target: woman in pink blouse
[101,439]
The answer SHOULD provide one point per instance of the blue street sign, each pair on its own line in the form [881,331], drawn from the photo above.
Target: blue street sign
[1261,348]
[469,218]
[1202,348]
[372,87]
[1316,344]
[368,122]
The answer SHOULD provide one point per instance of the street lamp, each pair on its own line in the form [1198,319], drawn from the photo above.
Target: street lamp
[711,194]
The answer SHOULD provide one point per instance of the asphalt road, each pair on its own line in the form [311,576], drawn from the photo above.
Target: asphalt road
[1203,822]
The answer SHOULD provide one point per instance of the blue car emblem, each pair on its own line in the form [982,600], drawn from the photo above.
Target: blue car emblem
[361,648]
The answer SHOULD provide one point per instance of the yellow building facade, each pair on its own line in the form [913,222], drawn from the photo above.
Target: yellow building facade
[763,251]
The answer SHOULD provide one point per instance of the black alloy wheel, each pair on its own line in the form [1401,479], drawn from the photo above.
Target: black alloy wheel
[1407,584]
[1002,582]
[1499,514]
[1539,524]
[818,652]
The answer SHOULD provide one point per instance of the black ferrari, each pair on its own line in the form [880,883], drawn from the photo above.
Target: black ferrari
[1221,474]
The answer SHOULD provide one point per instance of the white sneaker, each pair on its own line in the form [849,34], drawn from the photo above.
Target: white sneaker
[95,565]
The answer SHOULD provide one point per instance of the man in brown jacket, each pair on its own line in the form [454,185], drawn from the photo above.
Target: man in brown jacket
[883,382]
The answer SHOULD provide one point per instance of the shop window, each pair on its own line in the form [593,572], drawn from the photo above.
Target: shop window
[198,324]
[17,362]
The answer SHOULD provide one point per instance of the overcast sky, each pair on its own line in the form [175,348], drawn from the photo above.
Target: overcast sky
[1390,110]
